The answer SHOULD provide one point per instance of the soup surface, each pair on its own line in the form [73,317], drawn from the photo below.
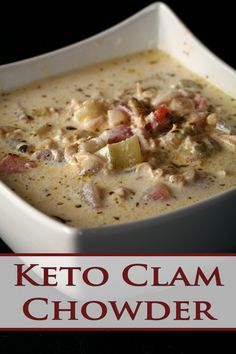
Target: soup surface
[120,141]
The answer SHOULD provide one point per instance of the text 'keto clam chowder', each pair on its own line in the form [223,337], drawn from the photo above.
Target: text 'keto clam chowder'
[117,142]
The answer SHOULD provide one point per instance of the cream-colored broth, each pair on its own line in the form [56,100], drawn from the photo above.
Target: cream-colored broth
[54,188]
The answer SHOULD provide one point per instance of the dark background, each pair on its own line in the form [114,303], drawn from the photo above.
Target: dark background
[29,29]
[37,27]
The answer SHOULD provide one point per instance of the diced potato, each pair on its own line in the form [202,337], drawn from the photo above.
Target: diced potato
[126,153]
[89,109]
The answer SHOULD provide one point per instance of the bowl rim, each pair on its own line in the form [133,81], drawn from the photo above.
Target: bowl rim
[56,225]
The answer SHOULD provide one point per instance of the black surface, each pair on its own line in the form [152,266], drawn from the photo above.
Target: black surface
[117,343]
[28,30]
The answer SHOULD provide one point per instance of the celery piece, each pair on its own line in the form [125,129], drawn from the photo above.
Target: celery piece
[126,153]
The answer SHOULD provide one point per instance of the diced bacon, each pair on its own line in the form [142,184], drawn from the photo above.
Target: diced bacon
[118,134]
[161,115]
[90,193]
[157,192]
[148,127]
[12,163]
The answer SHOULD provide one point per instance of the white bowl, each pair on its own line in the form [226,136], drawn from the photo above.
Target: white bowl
[207,226]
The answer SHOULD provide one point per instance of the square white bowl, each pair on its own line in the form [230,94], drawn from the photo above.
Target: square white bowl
[206,226]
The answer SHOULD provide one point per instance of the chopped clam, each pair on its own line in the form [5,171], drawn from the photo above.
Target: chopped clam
[201,103]
[123,192]
[93,144]
[64,136]
[140,111]
[182,105]
[157,192]
[147,143]
[173,138]
[177,179]
[70,151]
[144,169]
[158,172]
[88,164]
[116,117]
[44,130]
[48,155]
[212,119]
[73,106]
[193,146]
[149,93]
[95,124]
[22,115]
[190,175]
[89,109]
[91,194]
[154,160]
[228,140]
[45,155]
[145,94]
[165,97]
[58,155]
[221,173]
[139,90]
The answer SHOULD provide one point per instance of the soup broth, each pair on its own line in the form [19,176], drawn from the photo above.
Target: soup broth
[123,140]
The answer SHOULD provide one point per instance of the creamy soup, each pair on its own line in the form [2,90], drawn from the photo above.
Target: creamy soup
[120,141]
